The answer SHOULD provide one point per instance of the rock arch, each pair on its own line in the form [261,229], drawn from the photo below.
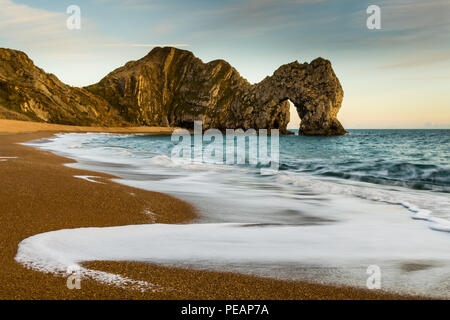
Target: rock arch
[313,88]
[172,87]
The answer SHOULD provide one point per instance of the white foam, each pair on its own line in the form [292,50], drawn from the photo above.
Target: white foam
[385,241]
[36,254]
[396,196]
[89,178]
[439,224]
[3,159]
[153,216]
[190,164]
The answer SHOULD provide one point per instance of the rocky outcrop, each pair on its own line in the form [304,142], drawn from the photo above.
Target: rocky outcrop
[313,88]
[171,87]
[28,93]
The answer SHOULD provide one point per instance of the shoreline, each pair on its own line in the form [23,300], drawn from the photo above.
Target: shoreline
[18,126]
[40,194]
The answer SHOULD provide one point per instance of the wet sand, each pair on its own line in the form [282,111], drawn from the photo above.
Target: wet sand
[39,194]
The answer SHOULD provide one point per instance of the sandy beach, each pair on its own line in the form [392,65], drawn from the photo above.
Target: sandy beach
[40,194]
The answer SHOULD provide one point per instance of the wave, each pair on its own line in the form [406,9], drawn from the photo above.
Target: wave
[409,175]
[405,198]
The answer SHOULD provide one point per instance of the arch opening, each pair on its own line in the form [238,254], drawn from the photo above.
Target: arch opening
[294,118]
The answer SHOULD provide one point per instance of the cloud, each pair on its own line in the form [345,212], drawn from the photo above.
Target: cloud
[413,33]
[163,28]
[46,31]
[128,3]
[434,125]
[254,16]
[42,29]
[21,19]
[419,59]
[413,23]
[416,15]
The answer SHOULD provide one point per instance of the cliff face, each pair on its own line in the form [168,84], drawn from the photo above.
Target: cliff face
[28,93]
[172,87]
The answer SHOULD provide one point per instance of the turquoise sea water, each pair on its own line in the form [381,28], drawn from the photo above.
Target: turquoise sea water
[415,159]
[395,166]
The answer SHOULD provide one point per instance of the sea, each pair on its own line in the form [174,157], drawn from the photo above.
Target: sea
[370,209]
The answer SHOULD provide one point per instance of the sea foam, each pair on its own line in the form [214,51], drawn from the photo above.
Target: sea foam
[290,225]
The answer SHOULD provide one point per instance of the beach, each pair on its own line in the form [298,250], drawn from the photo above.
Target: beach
[40,194]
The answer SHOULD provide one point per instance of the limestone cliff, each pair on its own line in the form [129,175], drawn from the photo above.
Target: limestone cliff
[172,87]
[28,93]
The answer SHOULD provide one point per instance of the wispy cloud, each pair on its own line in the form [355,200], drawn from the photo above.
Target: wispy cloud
[434,125]
[415,14]
[253,16]
[46,31]
[413,23]
[128,3]
[21,19]
[414,33]
[163,28]
[419,59]
[42,29]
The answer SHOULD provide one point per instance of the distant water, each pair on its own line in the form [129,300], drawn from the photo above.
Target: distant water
[415,159]
[336,206]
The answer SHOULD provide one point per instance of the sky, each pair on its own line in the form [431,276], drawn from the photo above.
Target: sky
[394,77]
